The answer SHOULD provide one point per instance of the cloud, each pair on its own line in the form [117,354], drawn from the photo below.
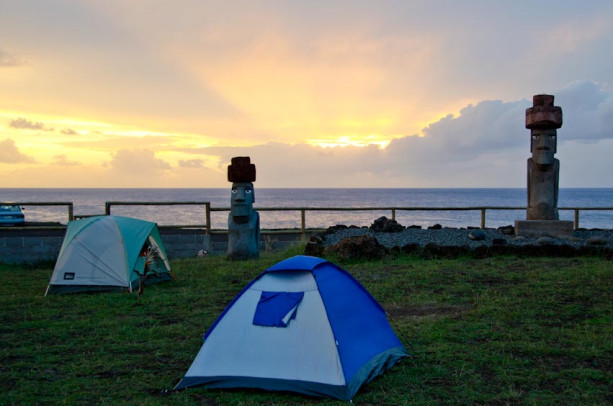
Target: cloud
[9,153]
[491,125]
[491,129]
[24,124]
[113,142]
[485,145]
[300,165]
[9,60]
[64,161]
[494,127]
[291,72]
[139,163]
[587,112]
[191,163]
[68,131]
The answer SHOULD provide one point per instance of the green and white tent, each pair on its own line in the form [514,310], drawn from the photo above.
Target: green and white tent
[108,253]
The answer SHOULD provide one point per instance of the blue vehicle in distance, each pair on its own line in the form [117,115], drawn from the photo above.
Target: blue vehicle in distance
[11,215]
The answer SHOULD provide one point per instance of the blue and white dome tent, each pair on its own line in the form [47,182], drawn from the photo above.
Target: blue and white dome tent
[304,325]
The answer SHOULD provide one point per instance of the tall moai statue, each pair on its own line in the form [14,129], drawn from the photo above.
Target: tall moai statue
[543,119]
[243,221]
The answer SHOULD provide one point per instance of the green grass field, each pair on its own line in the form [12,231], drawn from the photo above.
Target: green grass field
[490,331]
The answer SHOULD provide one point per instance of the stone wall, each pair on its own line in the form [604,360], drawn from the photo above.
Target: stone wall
[30,247]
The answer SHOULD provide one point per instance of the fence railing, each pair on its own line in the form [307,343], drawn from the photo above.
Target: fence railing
[207,205]
[303,227]
[393,211]
[577,209]
[69,205]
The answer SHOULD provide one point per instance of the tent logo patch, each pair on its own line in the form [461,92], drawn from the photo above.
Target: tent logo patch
[68,276]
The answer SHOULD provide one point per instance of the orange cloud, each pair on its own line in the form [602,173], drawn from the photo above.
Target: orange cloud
[9,153]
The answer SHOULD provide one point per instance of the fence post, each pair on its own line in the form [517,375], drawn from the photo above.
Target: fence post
[393,214]
[107,208]
[483,217]
[208,217]
[576,219]
[302,225]
[70,212]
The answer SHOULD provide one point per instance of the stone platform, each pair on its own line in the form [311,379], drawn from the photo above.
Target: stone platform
[447,242]
[541,228]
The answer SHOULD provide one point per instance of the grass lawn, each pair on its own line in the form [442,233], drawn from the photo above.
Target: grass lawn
[490,331]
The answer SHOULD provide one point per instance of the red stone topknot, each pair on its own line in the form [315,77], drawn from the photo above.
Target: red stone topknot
[241,170]
[543,114]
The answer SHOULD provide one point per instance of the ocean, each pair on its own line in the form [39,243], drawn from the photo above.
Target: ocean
[92,201]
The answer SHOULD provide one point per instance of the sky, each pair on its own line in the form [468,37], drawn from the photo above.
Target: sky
[341,94]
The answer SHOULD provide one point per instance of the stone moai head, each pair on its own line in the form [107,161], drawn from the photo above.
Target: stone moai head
[241,172]
[543,119]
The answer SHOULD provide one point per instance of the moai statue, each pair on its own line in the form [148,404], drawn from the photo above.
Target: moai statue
[243,221]
[543,119]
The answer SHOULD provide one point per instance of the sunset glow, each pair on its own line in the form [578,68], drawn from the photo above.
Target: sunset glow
[123,94]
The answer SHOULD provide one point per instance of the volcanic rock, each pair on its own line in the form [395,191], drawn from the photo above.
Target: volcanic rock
[385,225]
[362,246]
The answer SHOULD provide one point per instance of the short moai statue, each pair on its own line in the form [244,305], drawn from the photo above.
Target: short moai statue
[243,221]
[543,119]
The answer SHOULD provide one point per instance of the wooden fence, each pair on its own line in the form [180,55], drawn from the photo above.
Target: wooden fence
[392,210]
[302,210]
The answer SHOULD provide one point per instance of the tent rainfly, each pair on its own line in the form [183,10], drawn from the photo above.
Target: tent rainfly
[108,253]
[304,325]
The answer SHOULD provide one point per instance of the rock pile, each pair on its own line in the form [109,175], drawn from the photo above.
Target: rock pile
[385,225]
[441,242]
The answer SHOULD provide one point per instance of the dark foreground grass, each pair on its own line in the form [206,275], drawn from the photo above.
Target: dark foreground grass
[493,331]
